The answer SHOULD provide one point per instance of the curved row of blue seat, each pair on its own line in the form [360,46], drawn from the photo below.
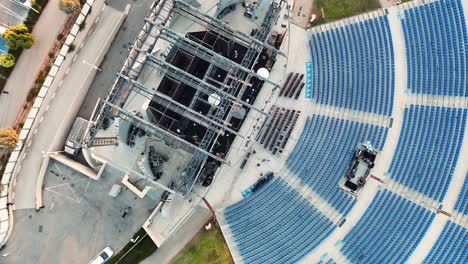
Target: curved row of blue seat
[462,202]
[354,66]
[451,246]
[388,232]
[276,225]
[428,149]
[323,151]
[437,48]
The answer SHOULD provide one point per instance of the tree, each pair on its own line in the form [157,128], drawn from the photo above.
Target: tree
[69,6]
[18,37]
[7,60]
[8,139]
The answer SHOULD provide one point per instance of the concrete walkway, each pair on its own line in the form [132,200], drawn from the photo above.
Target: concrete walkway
[63,101]
[23,76]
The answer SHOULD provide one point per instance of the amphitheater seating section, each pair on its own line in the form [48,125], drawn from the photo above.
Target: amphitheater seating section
[293,86]
[276,225]
[462,203]
[353,69]
[323,152]
[353,66]
[451,246]
[276,131]
[428,149]
[437,48]
[388,232]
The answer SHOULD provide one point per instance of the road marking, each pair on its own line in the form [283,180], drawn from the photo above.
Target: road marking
[60,83]
[53,95]
[40,120]
[74,57]
[77,197]
[65,183]
[47,108]
[67,71]
[78,200]
[85,190]
[57,167]
[82,44]
[47,189]
[35,131]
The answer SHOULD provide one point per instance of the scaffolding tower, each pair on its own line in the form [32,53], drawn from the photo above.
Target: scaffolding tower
[142,54]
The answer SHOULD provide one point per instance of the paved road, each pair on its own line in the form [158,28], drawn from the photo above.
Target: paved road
[80,220]
[60,104]
[28,65]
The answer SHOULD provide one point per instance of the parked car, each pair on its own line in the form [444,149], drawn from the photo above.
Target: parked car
[103,256]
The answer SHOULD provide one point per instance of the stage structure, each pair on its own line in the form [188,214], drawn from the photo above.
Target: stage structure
[207,84]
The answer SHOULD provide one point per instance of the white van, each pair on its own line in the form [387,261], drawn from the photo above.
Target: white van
[103,256]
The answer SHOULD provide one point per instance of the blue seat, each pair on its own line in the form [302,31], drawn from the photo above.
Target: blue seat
[276,225]
[388,232]
[354,66]
[451,246]
[321,156]
[428,149]
[436,48]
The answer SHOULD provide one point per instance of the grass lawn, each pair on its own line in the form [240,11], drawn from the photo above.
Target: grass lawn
[207,247]
[338,9]
[144,248]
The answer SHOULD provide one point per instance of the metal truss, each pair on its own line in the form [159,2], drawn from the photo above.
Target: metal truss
[196,83]
[179,108]
[140,54]
[166,136]
[219,26]
[204,53]
[237,87]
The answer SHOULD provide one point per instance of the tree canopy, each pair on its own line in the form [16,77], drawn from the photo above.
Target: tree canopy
[8,139]
[69,6]
[18,37]
[7,60]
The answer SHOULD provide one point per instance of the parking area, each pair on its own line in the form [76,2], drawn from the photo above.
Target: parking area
[79,219]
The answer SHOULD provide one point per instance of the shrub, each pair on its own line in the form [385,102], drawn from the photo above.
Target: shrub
[82,26]
[18,37]
[71,48]
[69,6]
[32,94]
[7,60]
[8,139]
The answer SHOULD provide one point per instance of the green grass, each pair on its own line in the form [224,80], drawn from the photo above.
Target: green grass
[144,248]
[338,9]
[207,247]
